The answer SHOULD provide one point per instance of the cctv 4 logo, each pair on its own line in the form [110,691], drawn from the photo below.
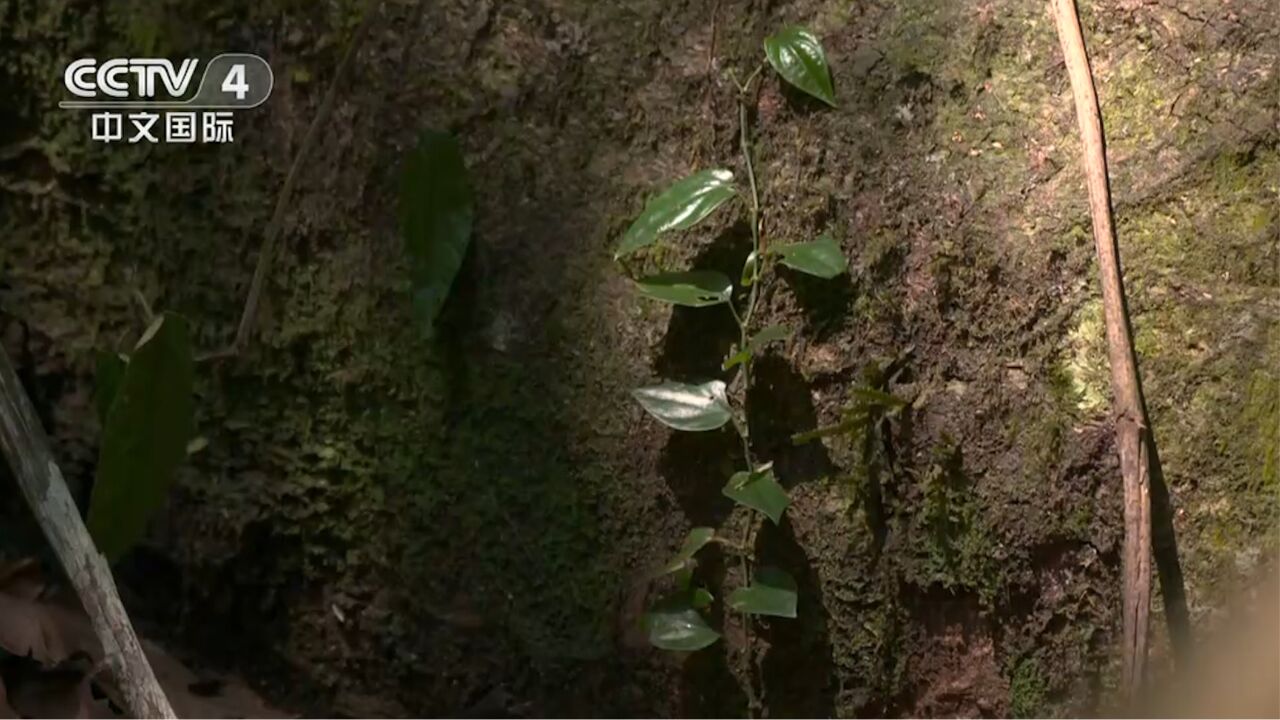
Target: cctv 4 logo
[116,78]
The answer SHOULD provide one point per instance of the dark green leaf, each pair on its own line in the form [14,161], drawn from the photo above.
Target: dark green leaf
[696,288]
[145,436]
[772,592]
[759,491]
[697,538]
[674,624]
[436,214]
[111,367]
[798,57]
[683,406]
[822,257]
[702,598]
[679,207]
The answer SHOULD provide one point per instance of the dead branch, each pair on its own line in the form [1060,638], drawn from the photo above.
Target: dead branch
[27,448]
[1132,428]
[266,254]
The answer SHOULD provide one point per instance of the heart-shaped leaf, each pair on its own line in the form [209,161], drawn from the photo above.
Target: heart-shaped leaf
[695,541]
[435,219]
[674,624]
[679,207]
[759,491]
[798,57]
[695,288]
[772,592]
[145,436]
[822,257]
[684,406]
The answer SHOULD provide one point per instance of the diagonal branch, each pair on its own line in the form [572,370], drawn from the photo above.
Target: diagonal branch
[1133,436]
[25,444]
[266,254]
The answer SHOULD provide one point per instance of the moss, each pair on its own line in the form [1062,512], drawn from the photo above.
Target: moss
[952,542]
[1260,427]
[1085,362]
[1028,689]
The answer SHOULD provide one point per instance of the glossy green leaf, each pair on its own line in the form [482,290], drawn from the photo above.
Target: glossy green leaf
[145,436]
[696,288]
[759,491]
[679,207]
[684,406]
[702,598]
[674,624]
[758,342]
[772,592]
[695,541]
[436,215]
[822,257]
[110,371]
[750,269]
[798,57]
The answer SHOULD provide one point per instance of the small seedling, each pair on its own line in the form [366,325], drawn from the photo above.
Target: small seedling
[676,622]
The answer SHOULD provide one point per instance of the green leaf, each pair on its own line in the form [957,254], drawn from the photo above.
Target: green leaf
[693,408]
[877,398]
[695,541]
[759,491]
[822,257]
[436,215]
[762,339]
[679,207]
[696,288]
[750,269]
[111,367]
[674,624]
[772,592]
[771,334]
[144,438]
[798,57]
[702,598]
[735,359]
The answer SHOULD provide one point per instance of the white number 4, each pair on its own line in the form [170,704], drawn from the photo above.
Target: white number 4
[234,82]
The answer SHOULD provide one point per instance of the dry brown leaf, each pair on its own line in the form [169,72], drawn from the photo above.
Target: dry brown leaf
[45,631]
[22,579]
[53,694]
[52,632]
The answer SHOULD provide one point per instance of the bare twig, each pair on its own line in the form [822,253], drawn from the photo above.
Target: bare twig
[27,448]
[272,235]
[1133,438]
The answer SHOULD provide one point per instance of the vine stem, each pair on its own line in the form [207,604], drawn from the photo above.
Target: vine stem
[744,327]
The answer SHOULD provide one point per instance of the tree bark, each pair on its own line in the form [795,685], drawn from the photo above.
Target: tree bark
[27,448]
[1131,426]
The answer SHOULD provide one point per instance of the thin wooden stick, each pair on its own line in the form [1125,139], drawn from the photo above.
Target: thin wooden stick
[1131,426]
[25,444]
[266,254]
